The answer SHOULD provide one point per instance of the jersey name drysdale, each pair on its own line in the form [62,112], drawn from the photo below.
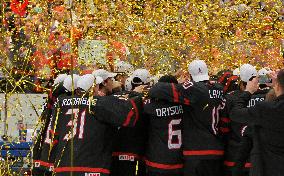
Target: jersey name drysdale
[170,111]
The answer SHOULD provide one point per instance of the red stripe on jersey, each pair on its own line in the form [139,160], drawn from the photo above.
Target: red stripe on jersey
[224,130]
[136,111]
[228,83]
[175,93]
[50,95]
[202,152]
[223,77]
[248,165]
[49,106]
[81,169]
[127,121]
[125,153]
[55,142]
[186,101]
[42,163]
[225,119]
[229,163]
[163,166]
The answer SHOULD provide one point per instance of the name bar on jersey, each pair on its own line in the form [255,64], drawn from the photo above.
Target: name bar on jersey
[170,111]
[78,101]
[92,174]
[216,94]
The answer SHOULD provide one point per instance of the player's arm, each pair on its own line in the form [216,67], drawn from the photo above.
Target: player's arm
[253,115]
[175,93]
[118,112]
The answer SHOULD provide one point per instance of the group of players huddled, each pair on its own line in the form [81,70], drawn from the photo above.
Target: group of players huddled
[128,123]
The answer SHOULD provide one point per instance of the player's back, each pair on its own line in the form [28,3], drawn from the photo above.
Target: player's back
[203,101]
[201,120]
[85,147]
[204,113]
[164,152]
[258,96]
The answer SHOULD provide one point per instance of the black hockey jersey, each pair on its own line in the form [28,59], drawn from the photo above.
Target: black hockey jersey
[164,152]
[85,128]
[237,129]
[268,117]
[130,142]
[43,143]
[204,100]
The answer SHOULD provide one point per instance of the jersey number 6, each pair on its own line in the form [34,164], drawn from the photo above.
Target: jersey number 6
[171,144]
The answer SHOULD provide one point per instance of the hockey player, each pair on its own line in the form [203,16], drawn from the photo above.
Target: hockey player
[129,145]
[84,130]
[268,118]
[240,163]
[238,130]
[247,72]
[123,71]
[203,149]
[41,165]
[105,88]
[163,152]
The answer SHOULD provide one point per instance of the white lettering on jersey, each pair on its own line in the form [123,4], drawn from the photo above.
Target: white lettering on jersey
[37,164]
[78,101]
[170,111]
[216,94]
[253,101]
[126,158]
[92,174]
[51,168]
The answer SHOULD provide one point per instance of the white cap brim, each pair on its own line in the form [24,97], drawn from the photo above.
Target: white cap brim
[199,78]
[112,75]
[99,80]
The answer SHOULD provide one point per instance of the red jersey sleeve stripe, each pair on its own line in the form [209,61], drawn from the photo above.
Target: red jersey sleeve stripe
[229,163]
[127,121]
[81,169]
[248,165]
[42,163]
[175,93]
[163,166]
[202,152]
[136,111]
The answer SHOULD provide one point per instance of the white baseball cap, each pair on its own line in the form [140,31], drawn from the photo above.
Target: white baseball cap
[103,74]
[247,71]
[263,72]
[128,85]
[60,78]
[67,83]
[85,82]
[99,80]
[123,67]
[236,72]
[143,75]
[198,70]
